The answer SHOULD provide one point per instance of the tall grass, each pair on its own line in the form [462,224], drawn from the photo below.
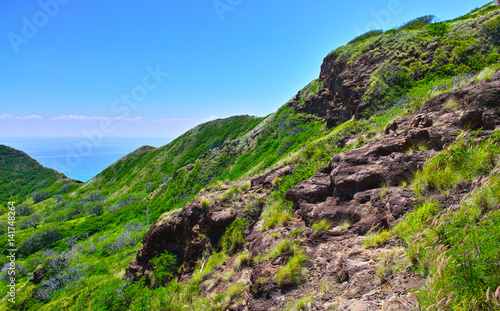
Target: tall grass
[461,163]
[457,248]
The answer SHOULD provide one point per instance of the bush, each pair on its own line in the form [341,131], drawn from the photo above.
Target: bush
[292,273]
[234,238]
[24,210]
[38,241]
[39,196]
[34,221]
[164,268]
[369,34]
[324,224]
[438,29]
[96,209]
[375,238]
[65,188]
[492,29]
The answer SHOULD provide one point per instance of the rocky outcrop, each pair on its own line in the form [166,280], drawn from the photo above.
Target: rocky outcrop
[194,229]
[343,85]
[361,186]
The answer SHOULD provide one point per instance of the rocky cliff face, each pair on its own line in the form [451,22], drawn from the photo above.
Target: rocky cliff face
[359,191]
[342,86]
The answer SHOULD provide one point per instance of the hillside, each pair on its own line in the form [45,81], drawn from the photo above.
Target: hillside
[374,188]
[21,176]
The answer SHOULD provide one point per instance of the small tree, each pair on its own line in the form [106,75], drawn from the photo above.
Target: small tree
[39,196]
[24,210]
[96,209]
[65,188]
[164,268]
[34,221]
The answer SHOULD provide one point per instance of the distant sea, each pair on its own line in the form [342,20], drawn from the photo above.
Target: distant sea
[78,158]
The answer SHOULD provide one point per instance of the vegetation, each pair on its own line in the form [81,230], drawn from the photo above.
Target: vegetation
[292,273]
[164,269]
[234,237]
[461,163]
[82,237]
[369,34]
[21,176]
[321,225]
[450,246]
[375,238]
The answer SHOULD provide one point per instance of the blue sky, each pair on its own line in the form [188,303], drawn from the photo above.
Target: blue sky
[156,68]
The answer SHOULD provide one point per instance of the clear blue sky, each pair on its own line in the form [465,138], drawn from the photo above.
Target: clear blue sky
[66,72]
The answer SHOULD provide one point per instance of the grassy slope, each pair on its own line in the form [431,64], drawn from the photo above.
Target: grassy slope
[21,176]
[97,248]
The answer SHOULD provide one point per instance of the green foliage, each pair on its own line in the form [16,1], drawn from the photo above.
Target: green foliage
[234,238]
[292,273]
[21,176]
[323,224]
[438,29]
[207,265]
[205,203]
[462,162]
[458,249]
[276,214]
[492,28]
[39,240]
[420,61]
[369,34]
[487,74]
[242,259]
[164,268]
[421,52]
[374,238]
[418,22]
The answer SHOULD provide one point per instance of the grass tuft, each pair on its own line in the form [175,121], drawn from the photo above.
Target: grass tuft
[323,224]
[373,239]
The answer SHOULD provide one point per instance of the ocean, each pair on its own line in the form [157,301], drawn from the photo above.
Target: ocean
[78,158]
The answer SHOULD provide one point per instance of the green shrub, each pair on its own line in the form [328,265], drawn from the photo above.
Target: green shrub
[369,34]
[234,238]
[205,203]
[418,22]
[38,241]
[292,273]
[492,28]
[438,29]
[375,238]
[323,224]
[39,196]
[164,268]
